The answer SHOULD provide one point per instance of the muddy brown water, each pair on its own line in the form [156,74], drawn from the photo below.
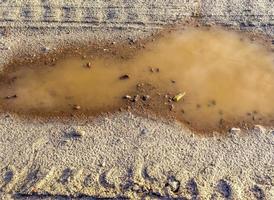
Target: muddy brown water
[224,78]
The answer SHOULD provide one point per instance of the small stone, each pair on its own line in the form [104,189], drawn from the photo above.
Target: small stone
[76,107]
[88,65]
[144,131]
[235,130]
[136,188]
[11,97]
[136,98]
[103,164]
[131,41]
[174,184]
[259,128]
[127,97]
[154,69]
[124,77]
[171,107]
[78,132]
[146,97]
[139,85]
[173,81]
[45,49]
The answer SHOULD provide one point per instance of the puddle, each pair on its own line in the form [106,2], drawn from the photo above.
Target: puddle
[226,80]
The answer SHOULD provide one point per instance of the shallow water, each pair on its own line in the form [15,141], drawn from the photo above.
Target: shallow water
[225,78]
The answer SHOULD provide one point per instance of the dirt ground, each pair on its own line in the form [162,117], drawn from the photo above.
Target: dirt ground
[124,156]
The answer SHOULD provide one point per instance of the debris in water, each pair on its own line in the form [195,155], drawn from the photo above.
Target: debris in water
[124,77]
[178,97]
[154,69]
[11,97]
[76,107]
[127,97]
[88,65]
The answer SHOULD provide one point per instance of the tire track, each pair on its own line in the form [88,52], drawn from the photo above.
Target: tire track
[109,12]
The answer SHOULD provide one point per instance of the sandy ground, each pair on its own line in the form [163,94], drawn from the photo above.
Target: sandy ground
[122,155]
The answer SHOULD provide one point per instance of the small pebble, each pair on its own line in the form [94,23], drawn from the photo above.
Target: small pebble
[127,97]
[144,131]
[235,130]
[78,132]
[140,85]
[124,77]
[88,65]
[174,185]
[137,188]
[171,107]
[45,49]
[136,98]
[259,128]
[11,97]
[145,97]
[154,69]
[76,107]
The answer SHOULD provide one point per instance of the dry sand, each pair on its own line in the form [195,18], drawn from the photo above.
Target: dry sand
[123,155]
